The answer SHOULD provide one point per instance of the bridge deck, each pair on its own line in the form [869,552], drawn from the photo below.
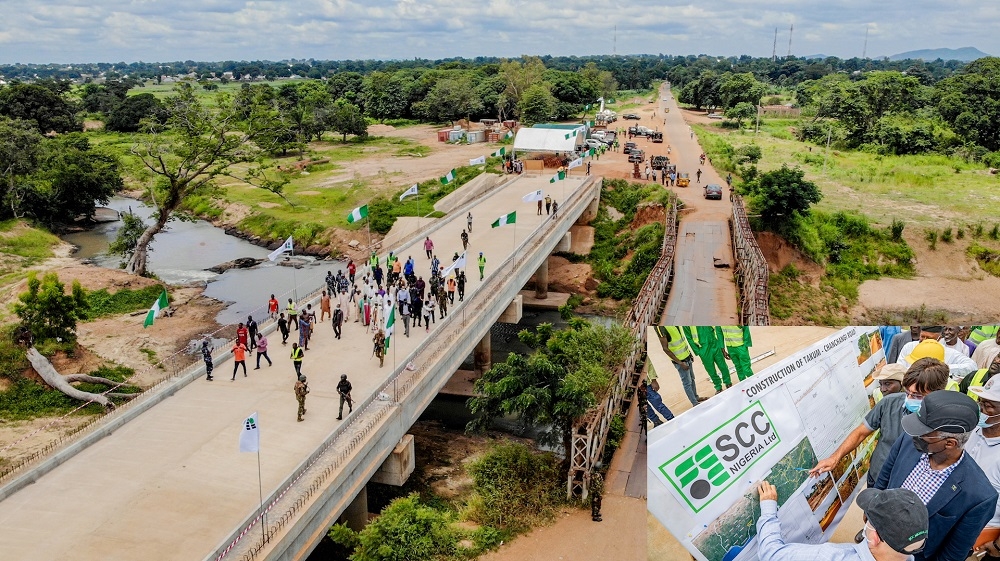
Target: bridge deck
[171,483]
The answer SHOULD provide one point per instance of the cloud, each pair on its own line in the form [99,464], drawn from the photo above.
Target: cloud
[157,30]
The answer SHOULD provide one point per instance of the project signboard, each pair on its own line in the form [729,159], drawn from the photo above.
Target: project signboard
[705,464]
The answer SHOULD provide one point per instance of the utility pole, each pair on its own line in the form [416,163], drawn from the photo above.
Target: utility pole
[614,47]
[791,28]
[864,52]
[774,49]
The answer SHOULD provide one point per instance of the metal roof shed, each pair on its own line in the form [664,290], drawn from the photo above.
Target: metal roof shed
[548,140]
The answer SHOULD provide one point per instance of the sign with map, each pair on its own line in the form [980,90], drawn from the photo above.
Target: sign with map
[705,464]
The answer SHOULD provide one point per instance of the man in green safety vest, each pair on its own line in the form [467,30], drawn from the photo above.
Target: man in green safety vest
[737,348]
[980,377]
[981,333]
[675,345]
[706,342]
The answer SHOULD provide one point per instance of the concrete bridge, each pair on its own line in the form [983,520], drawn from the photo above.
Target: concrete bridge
[163,479]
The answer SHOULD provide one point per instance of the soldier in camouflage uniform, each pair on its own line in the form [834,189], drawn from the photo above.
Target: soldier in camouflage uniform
[301,389]
[206,354]
[596,493]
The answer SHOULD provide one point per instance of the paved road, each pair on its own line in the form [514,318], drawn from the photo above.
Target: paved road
[701,294]
[171,484]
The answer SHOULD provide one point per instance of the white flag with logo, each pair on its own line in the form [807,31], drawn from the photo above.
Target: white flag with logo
[285,247]
[533,196]
[409,192]
[459,263]
[477,161]
[250,435]
[575,163]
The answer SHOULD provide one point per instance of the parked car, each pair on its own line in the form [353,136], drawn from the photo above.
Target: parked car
[631,116]
[629,146]
[713,191]
[656,136]
[714,115]
[658,162]
[636,156]
[594,143]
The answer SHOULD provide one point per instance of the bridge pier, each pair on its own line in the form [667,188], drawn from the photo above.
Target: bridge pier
[481,356]
[356,514]
[396,469]
[542,281]
[590,212]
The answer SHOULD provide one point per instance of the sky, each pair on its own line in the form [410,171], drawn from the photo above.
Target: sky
[67,31]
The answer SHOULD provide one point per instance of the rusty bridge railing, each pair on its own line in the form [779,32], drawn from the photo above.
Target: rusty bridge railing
[751,268]
[591,432]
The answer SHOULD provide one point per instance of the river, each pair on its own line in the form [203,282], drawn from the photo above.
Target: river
[186,249]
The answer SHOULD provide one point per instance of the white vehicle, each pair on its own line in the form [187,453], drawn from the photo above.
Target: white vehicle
[599,135]
[594,143]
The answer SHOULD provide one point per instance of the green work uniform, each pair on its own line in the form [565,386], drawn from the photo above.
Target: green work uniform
[706,342]
[482,265]
[738,343]
[983,332]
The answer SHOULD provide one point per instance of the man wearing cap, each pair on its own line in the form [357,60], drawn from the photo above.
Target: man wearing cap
[929,346]
[929,459]
[890,381]
[925,376]
[896,528]
[984,447]
[344,389]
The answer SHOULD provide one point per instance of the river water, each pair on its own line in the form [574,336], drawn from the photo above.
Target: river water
[183,253]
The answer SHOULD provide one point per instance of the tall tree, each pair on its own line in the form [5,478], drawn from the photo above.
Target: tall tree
[195,146]
[537,105]
[519,77]
[346,118]
[382,96]
[450,99]
[555,385]
[780,196]
[47,109]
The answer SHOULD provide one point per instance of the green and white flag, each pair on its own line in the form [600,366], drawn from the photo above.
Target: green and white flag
[390,324]
[591,152]
[477,161]
[569,134]
[509,134]
[250,435]
[448,178]
[576,163]
[505,219]
[160,304]
[559,176]
[409,192]
[587,108]
[499,153]
[357,214]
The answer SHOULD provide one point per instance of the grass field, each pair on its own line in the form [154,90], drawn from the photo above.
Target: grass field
[928,190]
[21,246]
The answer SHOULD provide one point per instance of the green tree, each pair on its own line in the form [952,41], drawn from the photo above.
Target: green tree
[47,311]
[451,99]
[20,146]
[780,196]
[702,91]
[346,118]
[406,530]
[537,105]
[519,77]
[555,385]
[741,112]
[970,102]
[127,115]
[740,88]
[70,179]
[40,105]
[383,96]
[195,146]
[347,85]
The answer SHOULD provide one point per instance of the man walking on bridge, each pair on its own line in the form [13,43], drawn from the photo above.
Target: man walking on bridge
[206,354]
[296,356]
[428,246]
[482,264]
[737,344]
[344,389]
[301,389]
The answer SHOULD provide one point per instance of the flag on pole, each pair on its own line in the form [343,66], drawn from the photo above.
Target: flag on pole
[499,153]
[569,134]
[448,178]
[287,246]
[408,192]
[357,214]
[591,152]
[509,134]
[576,163]
[587,108]
[477,161]
[505,219]
[533,196]
[390,324]
[160,304]
[460,262]
[559,176]
[250,435]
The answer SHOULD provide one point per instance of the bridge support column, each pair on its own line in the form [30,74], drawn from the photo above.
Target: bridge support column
[565,244]
[396,469]
[590,212]
[481,356]
[356,515]
[542,281]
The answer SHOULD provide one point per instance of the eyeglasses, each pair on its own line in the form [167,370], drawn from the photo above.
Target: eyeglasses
[912,395]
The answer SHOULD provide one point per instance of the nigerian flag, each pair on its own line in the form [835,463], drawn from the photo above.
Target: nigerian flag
[505,219]
[499,152]
[587,108]
[591,152]
[558,177]
[357,214]
[390,324]
[160,304]
[448,178]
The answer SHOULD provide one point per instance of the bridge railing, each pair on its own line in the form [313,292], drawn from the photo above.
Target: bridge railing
[311,476]
[751,268]
[591,431]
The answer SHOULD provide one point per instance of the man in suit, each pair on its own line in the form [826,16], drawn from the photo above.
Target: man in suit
[929,459]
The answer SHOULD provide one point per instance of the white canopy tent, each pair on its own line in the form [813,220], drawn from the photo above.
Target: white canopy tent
[548,140]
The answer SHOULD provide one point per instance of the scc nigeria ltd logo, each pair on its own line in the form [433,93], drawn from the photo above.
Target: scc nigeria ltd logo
[709,466]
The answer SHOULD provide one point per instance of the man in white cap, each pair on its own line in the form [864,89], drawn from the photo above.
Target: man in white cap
[895,529]
[889,379]
[984,447]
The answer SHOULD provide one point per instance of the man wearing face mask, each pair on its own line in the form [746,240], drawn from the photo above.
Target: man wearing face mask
[896,528]
[925,376]
[929,459]
[984,447]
